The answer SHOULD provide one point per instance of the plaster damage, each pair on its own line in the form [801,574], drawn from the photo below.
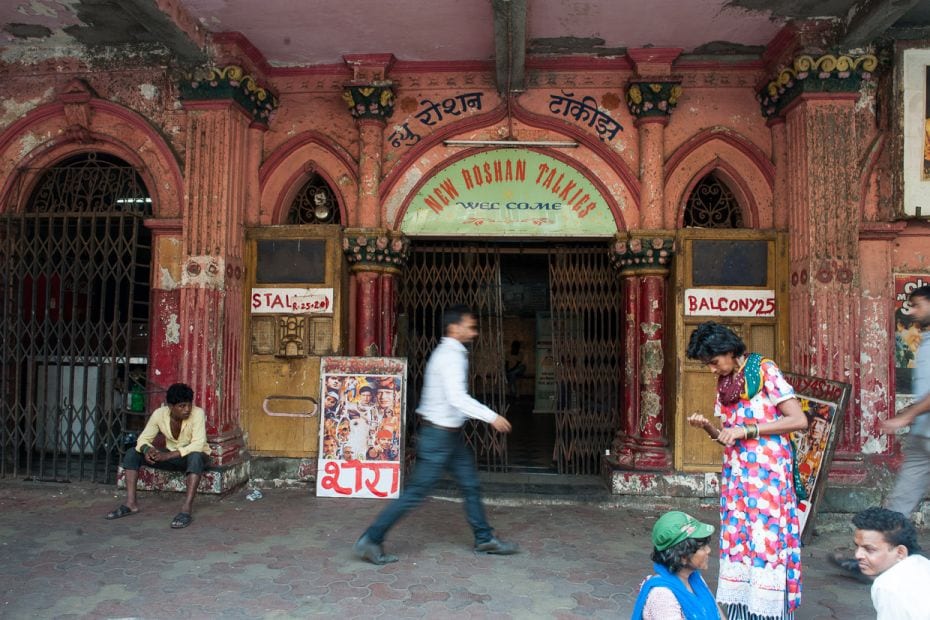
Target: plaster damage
[13,110]
[172,329]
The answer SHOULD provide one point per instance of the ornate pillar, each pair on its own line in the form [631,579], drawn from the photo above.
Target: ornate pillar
[370,99]
[826,135]
[643,258]
[222,105]
[376,256]
[651,96]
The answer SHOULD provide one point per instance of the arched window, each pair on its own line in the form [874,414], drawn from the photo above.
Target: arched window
[90,183]
[315,203]
[712,205]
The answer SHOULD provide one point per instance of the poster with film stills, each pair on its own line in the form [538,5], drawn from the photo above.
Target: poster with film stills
[362,426]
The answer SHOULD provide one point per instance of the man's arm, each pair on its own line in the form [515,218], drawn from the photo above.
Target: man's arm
[149,433]
[906,416]
[453,386]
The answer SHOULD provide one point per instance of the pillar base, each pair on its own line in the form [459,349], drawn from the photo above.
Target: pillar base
[621,481]
[216,480]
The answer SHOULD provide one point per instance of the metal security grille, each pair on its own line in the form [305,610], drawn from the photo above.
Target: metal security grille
[74,304]
[436,277]
[586,344]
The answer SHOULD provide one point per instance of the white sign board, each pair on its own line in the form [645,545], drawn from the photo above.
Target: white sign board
[915,79]
[292,301]
[729,302]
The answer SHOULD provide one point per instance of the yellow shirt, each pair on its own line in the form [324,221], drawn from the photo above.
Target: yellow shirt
[192,438]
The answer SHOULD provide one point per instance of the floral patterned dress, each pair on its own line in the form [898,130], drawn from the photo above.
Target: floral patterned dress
[760,547]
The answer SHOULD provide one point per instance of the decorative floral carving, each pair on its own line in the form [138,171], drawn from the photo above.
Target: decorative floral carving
[657,98]
[373,100]
[375,248]
[231,82]
[826,74]
[642,252]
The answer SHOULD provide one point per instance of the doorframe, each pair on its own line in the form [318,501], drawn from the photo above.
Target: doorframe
[778,270]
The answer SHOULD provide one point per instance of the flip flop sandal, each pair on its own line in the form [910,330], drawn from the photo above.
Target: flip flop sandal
[181,520]
[122,511]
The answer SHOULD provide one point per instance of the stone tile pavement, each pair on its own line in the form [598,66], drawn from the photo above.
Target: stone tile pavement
[288,556]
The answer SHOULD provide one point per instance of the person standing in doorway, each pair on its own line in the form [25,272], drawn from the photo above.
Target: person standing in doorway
[445,406]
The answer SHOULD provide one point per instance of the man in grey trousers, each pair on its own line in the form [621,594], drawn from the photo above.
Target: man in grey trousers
[914,477]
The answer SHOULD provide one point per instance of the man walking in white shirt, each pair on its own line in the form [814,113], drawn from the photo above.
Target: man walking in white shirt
[887,549]
[444,408]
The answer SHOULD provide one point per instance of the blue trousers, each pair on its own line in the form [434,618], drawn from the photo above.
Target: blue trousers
[438,451]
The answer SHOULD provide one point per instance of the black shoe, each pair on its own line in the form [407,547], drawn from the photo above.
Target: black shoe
[496,547]
[372,552]
[850,566]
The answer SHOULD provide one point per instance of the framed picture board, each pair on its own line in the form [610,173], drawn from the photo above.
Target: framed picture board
[362,428]
[824,404]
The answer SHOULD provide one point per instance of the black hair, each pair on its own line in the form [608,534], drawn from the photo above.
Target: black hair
[453,315]
[920,291]
[179,393]
[711,339]
[677,556]
[894,527]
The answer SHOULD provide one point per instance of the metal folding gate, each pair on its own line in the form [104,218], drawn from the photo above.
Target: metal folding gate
[74,296]
[586,311]
[584,295]
[436,277]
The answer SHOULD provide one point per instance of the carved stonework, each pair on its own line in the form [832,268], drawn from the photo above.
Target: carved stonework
[231,82]
[370,100]
[826,74]
[375,249]
[643,251]
[653,98]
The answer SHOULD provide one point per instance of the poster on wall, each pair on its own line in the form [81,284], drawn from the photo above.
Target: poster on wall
[362,429]
[906,331]
[824,405]
[916,157]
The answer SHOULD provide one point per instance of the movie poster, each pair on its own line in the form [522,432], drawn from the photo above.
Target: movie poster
[824,405]
[906,331]
[362,426]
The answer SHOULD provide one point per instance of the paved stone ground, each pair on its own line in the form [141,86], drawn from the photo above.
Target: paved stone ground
[288,556]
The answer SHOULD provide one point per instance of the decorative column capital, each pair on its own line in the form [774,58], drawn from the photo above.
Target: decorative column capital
[653,99]
[230,82]
[643,252]
[827,74]
[370,100]
[375,249]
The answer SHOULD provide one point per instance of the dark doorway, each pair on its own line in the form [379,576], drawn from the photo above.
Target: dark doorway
[548,354]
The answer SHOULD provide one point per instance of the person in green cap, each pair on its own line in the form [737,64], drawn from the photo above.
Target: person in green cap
[681,549]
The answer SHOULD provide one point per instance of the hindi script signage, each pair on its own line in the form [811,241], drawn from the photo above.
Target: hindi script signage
[512,192]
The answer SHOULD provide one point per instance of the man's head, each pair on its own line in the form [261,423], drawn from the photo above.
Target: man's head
[920,304]
[459,322]
[883,538]
[180,399]
[365,394]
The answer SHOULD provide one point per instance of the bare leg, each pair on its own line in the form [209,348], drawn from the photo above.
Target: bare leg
[132,477]
[193,481]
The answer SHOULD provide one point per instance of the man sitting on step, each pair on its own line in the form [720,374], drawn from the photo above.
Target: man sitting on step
[184,428]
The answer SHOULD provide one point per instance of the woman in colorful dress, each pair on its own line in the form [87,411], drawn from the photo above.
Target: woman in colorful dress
[677,591]
[760,555]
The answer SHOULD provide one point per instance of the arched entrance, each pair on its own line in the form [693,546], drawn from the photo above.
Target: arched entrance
[520,236]
[75,269]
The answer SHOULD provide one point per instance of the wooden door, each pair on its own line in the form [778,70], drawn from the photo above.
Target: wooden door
[290,269]
[725,276]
